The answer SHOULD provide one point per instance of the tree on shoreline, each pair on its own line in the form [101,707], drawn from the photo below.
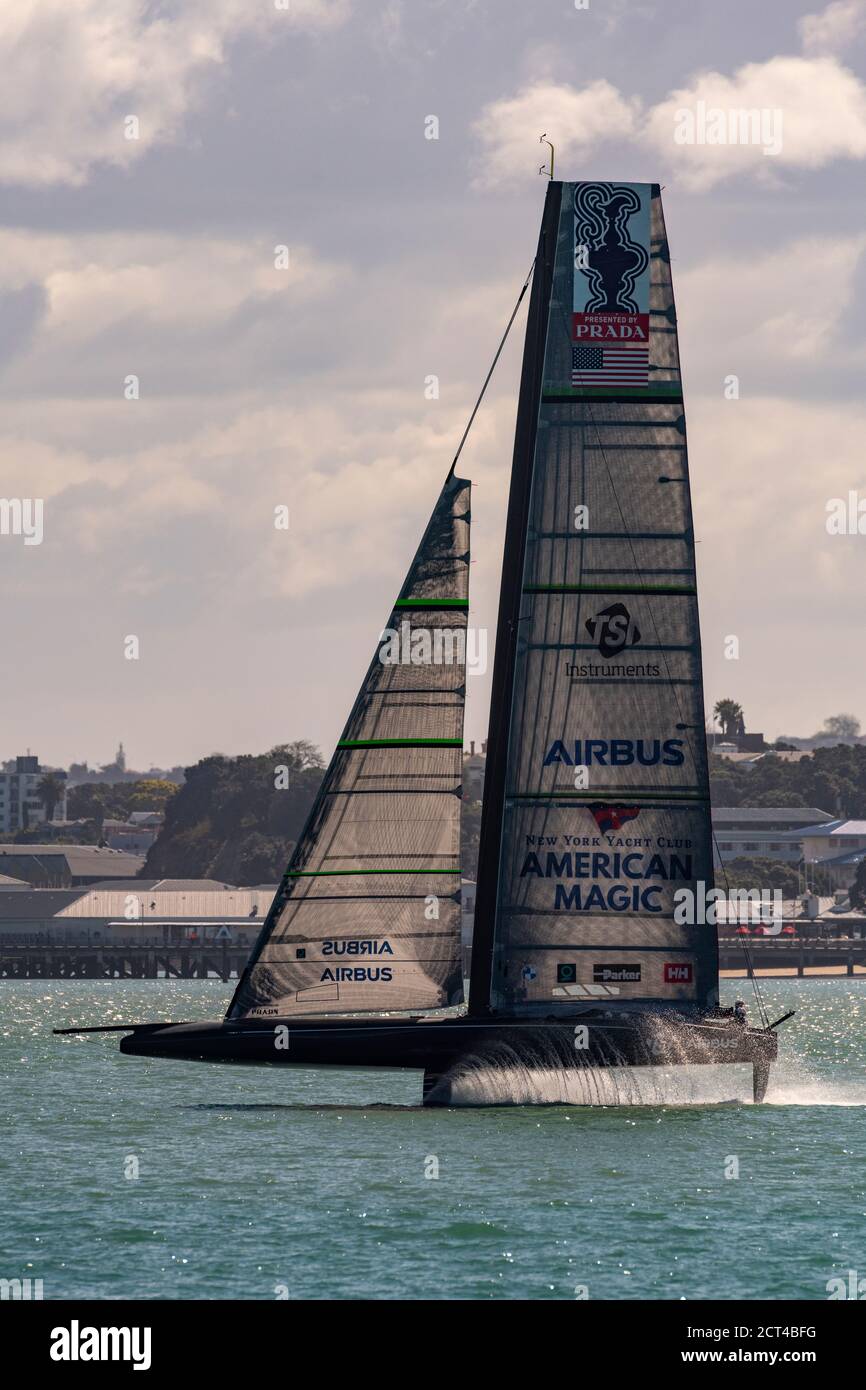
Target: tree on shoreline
[841,726]
[858,887]
[830,779]
[238,819]
[729,715]
[50,791]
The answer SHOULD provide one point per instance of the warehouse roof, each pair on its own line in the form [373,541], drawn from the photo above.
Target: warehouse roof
[837,827]
[37,904]
[809,815]
[81,860]
[198,901]
[171,885]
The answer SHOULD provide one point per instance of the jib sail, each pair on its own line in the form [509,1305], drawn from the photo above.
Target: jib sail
[367,916]
[596,826]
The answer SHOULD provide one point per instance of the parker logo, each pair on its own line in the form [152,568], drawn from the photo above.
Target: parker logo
[676,974]
[616,974]
[613,629]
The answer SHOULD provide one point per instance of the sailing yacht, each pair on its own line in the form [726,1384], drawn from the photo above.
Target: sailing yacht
[596,832]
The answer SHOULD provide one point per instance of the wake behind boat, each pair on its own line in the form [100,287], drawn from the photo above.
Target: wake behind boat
[596,832]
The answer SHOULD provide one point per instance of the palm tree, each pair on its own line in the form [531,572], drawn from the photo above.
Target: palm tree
[729,714]
[50,791]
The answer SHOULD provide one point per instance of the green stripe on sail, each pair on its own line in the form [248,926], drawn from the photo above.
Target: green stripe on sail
[401,743]
[609,589]
[432,603]
[344,873]
[662,393]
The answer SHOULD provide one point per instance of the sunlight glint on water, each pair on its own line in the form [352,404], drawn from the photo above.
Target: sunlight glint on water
[254,1177]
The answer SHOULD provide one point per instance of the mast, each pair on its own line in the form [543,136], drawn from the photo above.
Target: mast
[510,599]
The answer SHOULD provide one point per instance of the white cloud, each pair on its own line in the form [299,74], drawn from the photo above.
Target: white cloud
[786,309]
[575,119]
[74,69]
[97,280]
[175,541]
[833,29]
[790,112]
[822,117]
[762,472]
[175,311]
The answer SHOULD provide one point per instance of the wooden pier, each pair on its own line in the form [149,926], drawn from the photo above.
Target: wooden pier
[845,955]
[795,956]
[200,962]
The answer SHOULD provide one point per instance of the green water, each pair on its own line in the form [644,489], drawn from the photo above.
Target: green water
[256,1178]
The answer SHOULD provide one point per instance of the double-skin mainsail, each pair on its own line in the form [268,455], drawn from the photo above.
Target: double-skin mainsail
[596,804]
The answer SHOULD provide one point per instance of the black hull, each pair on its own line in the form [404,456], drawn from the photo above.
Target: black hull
[638,1039]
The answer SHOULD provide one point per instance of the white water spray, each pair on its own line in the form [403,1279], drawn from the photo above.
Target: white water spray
[505,1077]
[508,1073]
[602,1086]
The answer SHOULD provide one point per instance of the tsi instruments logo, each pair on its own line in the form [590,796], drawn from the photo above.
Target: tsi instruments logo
[613,629]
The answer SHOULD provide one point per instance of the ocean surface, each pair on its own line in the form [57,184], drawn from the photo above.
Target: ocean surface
[260,1183]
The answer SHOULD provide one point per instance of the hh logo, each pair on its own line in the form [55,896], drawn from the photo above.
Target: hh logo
[613,629]
[678,974]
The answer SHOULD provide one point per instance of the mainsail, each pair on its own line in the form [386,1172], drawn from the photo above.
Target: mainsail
[596,825]
[367,916]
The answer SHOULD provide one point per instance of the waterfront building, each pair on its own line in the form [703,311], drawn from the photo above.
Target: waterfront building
[138,912]
[134,835]
[474,765]
[832,851]
[21,803]
[763,832]
[54,865]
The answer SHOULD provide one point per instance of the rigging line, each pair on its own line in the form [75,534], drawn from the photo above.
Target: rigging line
[492,368]
[746,951]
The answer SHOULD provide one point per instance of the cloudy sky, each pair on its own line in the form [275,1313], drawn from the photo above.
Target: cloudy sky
[261,125]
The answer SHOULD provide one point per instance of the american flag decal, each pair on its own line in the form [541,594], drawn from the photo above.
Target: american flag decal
[610,364]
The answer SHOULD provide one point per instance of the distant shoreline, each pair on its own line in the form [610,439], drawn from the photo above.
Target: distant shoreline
[791,972]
